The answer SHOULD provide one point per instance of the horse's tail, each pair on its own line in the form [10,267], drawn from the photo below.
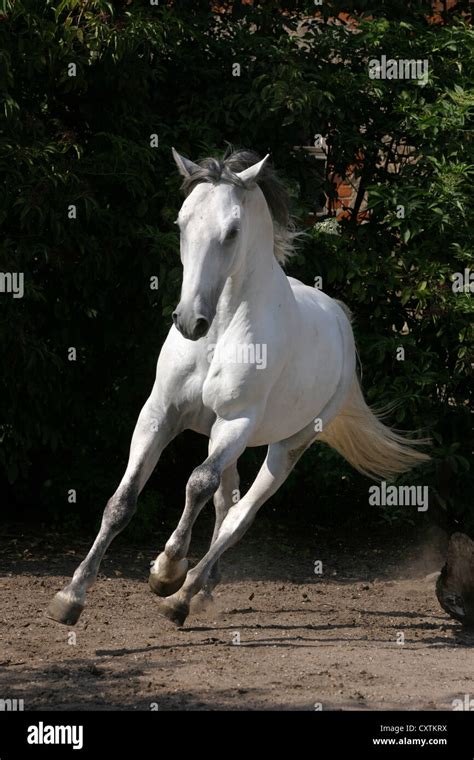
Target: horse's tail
[359,435]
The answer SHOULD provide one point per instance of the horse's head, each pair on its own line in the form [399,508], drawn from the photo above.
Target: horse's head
[213,227]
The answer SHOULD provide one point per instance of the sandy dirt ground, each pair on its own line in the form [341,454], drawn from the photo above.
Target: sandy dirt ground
[366,633]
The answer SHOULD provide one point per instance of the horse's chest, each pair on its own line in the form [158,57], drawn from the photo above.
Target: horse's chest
[233,380]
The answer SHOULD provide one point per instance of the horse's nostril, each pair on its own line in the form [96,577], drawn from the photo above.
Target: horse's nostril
[201,327]
[175,317]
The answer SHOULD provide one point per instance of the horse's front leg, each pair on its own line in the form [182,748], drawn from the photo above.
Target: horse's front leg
[155,428]
[226,495]
[228,440]
[280,460]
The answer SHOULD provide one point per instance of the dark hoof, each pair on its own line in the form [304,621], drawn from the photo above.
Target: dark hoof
[62,610]
[177,612]
[162,588]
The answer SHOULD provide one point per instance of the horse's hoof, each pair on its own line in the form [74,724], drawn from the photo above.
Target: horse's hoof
[63,610]
[176,612]
[168,587]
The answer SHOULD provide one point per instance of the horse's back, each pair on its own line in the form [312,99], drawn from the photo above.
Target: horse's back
[317,301]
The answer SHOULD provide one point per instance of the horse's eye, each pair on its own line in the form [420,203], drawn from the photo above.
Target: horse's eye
[232,234]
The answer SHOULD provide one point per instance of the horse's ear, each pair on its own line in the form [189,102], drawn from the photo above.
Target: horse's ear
[250,175]
[185,166]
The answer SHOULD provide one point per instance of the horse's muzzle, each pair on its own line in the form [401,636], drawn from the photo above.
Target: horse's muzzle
[191,329]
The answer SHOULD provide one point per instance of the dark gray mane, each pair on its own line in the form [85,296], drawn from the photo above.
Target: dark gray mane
[225,170]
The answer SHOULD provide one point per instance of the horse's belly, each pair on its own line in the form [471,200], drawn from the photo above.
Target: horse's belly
[303,390]
[286,415]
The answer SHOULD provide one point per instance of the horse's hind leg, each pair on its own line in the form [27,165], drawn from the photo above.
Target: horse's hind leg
[155,428]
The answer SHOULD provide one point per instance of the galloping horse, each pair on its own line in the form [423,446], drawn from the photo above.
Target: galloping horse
[235,296]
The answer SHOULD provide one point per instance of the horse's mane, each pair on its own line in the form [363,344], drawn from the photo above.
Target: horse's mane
[226,169]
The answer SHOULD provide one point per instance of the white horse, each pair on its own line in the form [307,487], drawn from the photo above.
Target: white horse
[236,302]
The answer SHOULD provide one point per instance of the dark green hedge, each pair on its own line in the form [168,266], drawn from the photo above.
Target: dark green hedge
[85,140]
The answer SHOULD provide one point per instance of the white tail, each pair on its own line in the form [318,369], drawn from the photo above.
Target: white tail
[359,435]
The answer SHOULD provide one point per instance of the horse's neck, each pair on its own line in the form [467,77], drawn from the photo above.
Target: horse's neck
[259,281]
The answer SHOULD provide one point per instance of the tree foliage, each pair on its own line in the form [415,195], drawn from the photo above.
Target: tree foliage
[84,141]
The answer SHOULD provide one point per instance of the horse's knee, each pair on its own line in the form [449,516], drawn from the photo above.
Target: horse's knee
[119,510]
[201,486]
[203,483]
